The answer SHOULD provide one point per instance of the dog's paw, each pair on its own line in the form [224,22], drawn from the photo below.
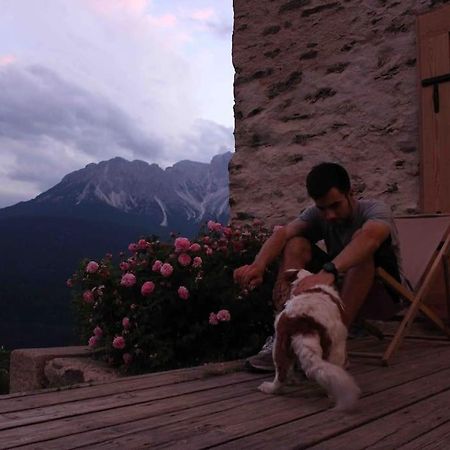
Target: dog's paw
[268,388]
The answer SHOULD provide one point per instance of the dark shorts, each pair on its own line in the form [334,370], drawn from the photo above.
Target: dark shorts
[382,302]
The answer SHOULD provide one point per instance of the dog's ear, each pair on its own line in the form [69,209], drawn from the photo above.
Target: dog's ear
[290,275]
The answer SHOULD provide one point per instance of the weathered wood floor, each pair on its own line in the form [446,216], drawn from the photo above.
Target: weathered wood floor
[403,406]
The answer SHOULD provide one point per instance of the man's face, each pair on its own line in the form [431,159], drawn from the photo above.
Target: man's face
[335,206]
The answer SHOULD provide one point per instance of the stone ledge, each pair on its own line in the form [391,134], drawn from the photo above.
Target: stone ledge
[35,369]
[28,367]
[67,371]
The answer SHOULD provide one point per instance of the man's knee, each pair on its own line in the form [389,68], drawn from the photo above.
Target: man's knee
[367,265]
[297,247]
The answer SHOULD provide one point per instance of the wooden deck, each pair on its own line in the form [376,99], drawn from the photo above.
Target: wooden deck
[403,406]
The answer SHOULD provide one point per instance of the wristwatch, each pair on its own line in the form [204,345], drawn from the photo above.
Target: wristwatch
[331,268]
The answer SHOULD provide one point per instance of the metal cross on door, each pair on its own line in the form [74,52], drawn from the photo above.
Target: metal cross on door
[434,72]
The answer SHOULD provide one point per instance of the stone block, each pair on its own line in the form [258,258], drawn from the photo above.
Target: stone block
[27,365]
[67,371]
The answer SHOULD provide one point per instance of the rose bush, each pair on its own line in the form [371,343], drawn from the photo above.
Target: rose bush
[163,306]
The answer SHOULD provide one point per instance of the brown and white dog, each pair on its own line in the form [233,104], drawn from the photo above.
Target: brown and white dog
[310,328]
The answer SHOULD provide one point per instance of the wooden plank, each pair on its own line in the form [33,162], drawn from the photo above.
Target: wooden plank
[45,413]
[435,136]
[437,439]
[97,421]
[55,402]
[16,402]
[68,425]
[166,376]
[248,417]
[92,415]
[317,428]
[135,383]
[394,429]
[434,22]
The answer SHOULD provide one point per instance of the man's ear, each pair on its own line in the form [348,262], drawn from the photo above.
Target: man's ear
[290,275]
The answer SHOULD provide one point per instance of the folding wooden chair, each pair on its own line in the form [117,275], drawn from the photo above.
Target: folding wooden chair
[425,247]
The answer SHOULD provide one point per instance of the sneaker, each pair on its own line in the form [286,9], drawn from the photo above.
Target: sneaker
[262,361]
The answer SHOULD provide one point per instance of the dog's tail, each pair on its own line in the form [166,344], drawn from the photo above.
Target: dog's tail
[339,384]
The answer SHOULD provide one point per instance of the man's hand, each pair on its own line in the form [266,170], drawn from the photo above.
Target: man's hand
[249,276]
[309,282]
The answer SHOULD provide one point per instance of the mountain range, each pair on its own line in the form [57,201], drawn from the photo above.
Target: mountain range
[98,209]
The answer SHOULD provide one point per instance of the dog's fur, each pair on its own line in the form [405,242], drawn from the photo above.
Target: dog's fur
[310,328]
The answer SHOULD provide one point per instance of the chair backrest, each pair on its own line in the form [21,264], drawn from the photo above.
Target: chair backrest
[420,237]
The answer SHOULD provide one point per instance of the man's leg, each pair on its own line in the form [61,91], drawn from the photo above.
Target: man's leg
[296,255]
[358,282]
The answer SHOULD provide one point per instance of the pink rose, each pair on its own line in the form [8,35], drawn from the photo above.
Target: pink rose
[119,342]
[147,288]
[210,225]
[209,251]
[132,262]
[69,283]
[182,244]
[88,296]
[143,244]
[184,259]
[124,266]
[206,239]
[197,262]
[92,267]
[128,280]
[195,247]
[127,358]
[166,270]
[157,266]
[227,231]
[126,322]
[92,342]
[224,315]
[183,293]
[213,319]
[98,332]
[133,247]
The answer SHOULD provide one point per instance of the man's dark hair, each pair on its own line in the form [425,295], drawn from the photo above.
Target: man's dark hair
[326,176]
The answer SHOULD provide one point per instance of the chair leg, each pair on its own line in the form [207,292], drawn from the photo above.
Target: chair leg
[408,295]
[416,304]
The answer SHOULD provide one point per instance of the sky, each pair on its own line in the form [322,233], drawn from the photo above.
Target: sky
[83,81]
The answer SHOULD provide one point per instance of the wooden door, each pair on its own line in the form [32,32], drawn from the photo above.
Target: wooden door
[434,72]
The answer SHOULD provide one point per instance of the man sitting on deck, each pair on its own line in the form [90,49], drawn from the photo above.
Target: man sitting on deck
[359,235]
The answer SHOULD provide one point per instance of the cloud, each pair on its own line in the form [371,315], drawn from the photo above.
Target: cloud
[109,7]
[35,103]
[50,127]
[87,80]
[5,60]
[203,14]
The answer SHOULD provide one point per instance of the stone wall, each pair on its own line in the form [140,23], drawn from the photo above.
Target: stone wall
[324,81]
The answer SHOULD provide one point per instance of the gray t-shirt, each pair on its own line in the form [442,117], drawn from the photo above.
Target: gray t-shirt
[337,236]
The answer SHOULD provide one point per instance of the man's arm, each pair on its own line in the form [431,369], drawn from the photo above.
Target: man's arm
[252,275]
[363,245]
